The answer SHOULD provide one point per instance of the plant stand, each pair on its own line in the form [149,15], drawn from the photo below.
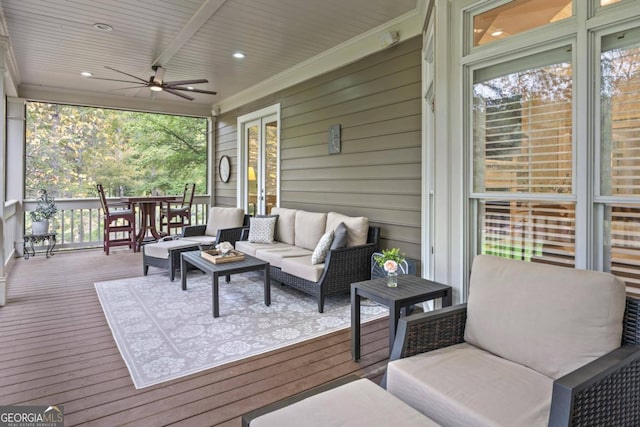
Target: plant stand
[31,239]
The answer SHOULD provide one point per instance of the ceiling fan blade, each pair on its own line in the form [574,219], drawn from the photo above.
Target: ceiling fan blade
[181,95]
[186,82]
[129,87]
[127,74]
[209,92]
[112,80]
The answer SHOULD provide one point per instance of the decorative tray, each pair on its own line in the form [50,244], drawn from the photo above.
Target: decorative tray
[216,257]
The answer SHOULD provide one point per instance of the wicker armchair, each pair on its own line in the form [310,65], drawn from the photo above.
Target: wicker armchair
[602,392]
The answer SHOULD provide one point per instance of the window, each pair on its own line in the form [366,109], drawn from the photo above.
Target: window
[516,17]
[71,148]
[620,153]
[523,152]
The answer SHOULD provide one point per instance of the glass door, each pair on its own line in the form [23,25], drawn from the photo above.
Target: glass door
[261,174]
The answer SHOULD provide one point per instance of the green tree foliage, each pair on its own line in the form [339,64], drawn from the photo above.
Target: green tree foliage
[69,149]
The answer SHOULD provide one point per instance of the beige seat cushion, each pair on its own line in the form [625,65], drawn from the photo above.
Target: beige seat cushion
[249,248]
[285,226]
[221,218]
[161,249]
[202,240]
[358,403]
[274,256]
[357,227]
[301,266]
[551,319]
[465,386]
[309,229]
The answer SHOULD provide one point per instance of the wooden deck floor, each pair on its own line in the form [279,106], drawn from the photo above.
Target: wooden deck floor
[56,348]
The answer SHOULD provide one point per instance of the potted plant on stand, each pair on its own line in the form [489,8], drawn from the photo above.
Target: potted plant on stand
[45,210]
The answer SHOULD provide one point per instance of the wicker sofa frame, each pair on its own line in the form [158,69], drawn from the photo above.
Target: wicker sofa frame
[603,392]
[341,268]
[172,263]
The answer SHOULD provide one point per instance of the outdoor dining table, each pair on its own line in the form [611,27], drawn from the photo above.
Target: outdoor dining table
[147,208]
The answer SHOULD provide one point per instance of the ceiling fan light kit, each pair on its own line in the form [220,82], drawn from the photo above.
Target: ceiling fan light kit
[156,83]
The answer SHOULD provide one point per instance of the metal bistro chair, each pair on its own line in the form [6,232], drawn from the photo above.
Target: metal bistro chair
[178,214]
[122,219]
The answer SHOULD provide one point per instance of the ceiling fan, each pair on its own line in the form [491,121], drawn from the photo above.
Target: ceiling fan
[157,84]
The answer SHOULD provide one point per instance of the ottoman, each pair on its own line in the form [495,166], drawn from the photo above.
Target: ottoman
[166,254]
[356,403]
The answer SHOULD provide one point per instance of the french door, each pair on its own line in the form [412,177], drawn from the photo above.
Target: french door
[259,148]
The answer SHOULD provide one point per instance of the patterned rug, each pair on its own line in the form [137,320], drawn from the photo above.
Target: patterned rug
[165,333]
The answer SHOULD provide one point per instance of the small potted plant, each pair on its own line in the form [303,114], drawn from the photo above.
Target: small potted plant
[45,210]
[390,260]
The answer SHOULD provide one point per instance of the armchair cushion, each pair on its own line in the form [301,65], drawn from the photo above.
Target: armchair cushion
[221,218]
[357,227]
[462,385]
[551,319]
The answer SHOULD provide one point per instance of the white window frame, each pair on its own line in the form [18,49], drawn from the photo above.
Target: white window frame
[243,122]
[455,61]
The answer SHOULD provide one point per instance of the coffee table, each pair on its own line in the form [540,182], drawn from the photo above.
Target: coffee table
[226,269]
[410,290]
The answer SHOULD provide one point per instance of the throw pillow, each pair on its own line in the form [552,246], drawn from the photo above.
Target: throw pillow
[322,248]
[340,237]
[262,230]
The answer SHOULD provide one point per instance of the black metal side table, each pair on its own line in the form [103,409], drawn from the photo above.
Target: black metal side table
[410,290]
[31,239]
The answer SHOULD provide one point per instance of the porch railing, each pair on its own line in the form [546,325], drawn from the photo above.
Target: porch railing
[78,223]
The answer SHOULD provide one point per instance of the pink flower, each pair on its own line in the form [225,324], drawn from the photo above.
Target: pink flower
[390,266]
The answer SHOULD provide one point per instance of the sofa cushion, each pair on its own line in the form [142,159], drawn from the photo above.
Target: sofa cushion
[161,249]
[358,403]
[286,224]
[262,230]
[309,228]
[274,256]
[322,248]
[465,386]
[339,237]
[301,266]
[221,218]
[549,318]
[357,227]
[249,248]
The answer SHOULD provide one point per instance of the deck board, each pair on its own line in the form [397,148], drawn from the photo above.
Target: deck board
[56,348]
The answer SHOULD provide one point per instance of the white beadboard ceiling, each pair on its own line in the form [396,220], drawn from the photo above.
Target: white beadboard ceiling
[52,41]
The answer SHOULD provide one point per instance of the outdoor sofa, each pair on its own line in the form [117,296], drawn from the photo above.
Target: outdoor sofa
[318,253]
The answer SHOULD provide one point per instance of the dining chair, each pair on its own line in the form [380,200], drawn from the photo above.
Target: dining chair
[178,214]
[118,218]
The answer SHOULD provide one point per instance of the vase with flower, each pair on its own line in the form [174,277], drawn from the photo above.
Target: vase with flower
[390,260]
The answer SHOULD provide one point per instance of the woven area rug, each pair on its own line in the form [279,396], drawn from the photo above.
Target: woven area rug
[165,333]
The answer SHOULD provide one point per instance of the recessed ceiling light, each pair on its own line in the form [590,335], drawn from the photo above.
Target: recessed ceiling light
[239,55]
[102,27]
[86,74]
[497,33]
